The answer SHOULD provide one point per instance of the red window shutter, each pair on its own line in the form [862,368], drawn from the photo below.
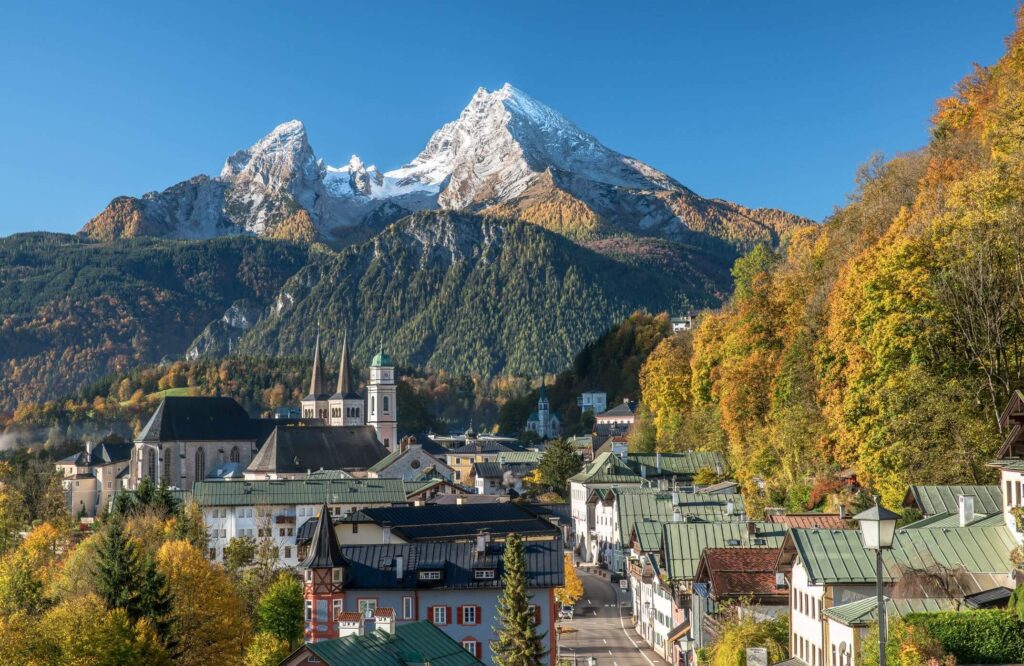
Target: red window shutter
[536,614]
[430,613]
[479,650]
[478,614]
[458,614]
[447,614]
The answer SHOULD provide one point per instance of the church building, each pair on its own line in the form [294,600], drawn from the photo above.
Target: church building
[346,407]
[542,421]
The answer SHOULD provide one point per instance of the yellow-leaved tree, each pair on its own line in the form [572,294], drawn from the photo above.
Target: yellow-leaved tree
[572,591]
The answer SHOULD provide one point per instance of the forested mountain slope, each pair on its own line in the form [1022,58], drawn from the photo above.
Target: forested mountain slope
[886,340]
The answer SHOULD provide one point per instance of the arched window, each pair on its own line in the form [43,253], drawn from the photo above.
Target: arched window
[165,468]
[200,464]
[236,455]
[387,406]
[151,464]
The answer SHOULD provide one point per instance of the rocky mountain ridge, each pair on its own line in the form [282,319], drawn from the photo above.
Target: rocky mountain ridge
[506,154]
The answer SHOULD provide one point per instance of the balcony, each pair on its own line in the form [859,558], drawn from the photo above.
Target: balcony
[642,571]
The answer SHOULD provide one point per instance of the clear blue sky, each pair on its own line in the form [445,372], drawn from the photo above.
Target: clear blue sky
[763,103]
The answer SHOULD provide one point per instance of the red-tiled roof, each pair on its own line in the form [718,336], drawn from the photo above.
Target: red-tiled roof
[348,617]
[740,572]
[821,521]
[384,612]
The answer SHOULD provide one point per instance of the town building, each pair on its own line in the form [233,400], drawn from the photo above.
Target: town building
[462,459]
[945,500]
[605,471]
[413,460]
[376,640]
[594,402]
[544,422]
[453,585]
[621,417]
[186,438]
[830,568]
[91,477]
[274,511]
[294,451]
[683,323]
[675,471]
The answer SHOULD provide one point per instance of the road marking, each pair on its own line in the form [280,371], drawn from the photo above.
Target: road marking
[605,641]
[610,652]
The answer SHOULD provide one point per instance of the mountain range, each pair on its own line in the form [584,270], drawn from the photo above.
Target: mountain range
[513,239]
[506,154]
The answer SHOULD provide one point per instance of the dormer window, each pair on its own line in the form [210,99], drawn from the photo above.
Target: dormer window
[430,574]
[336,574]
[309,575]
[484,574]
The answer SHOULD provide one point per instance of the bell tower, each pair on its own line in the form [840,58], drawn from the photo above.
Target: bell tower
[347,407]
[323,574]
[381,398]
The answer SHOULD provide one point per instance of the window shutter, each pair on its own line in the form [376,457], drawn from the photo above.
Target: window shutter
[458,614]
[479,650]
[478,614]
[447,614]
[430,613]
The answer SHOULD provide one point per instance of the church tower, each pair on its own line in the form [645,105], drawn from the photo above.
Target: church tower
[323,574]
[381,394]
[315,405]
[347,406]
[544,411]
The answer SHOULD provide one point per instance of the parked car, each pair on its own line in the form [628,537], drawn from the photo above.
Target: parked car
[565,613]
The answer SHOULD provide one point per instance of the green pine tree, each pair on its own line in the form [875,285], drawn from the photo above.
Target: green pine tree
[117,570]
[155,600]
[558,463]
[519,643]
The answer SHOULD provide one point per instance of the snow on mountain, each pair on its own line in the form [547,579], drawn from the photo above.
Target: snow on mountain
[506,152]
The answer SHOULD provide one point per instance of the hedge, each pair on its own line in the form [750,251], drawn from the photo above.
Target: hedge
[975,637]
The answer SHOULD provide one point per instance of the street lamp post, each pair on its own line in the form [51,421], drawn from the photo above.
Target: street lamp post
[878,527]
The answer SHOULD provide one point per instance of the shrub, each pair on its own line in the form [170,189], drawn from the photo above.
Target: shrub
[975,637]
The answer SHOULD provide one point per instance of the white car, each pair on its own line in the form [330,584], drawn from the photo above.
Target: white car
[565,613]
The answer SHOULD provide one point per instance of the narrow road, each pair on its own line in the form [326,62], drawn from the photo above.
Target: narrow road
[603,629]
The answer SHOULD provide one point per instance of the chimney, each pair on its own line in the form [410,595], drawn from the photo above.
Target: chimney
[657,461]
[677,515]
[675,498]
[459,500]
[385,619]
[349,625]
[643,471]
[729,508]
[966,505]
[842,512]
[88,447]
[481,542]
[399,567]
[386,533]
[751,528]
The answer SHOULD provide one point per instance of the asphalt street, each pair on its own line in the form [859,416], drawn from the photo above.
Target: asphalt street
[602,628]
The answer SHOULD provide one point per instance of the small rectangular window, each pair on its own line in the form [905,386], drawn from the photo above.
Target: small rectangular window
[430,575]
[483,574]
[440,615]
[407,608]
[337,608]
[469,615]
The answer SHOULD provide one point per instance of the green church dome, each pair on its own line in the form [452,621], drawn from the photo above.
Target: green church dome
[381,360]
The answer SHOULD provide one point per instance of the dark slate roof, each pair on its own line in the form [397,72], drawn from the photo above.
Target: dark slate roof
[181,418]
[296,449]
[624,408]
[346,386]
[103,453]
[447,522]
[371,567]
[324,552]
[411,643]
[997,597]
[488,470]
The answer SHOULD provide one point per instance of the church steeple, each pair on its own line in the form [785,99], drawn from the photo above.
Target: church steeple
[316,382]
[344,370]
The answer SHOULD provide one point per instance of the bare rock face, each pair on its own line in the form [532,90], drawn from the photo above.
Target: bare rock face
[506,154]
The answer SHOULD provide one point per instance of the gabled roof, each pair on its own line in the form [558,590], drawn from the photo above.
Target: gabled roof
[296,449]
[188,418]
[684,464]
[684,543]
[637,504]
[520,457]
[740,572]
[945,520]
[838,556]
[606,468]
[488,470]
[398,454]
[411,644]
[647,535]
[299,491]
[324,552]
[103,453]
[446,522]
[931,500]
[624,408]
[371,566]
[864,612]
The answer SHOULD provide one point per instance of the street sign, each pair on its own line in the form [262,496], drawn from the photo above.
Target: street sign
[623,584]
[757,656]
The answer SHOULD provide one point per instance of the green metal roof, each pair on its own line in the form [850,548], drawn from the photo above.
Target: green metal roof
[412,643]
[648,535]
[299,491]
[381,359]
[945,499]
[865,611]
[635,504]
[1011,464]
[684,542]
[386,461]
[606,468]
[520,457]
[944,520]
[685,463]
[837,556]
